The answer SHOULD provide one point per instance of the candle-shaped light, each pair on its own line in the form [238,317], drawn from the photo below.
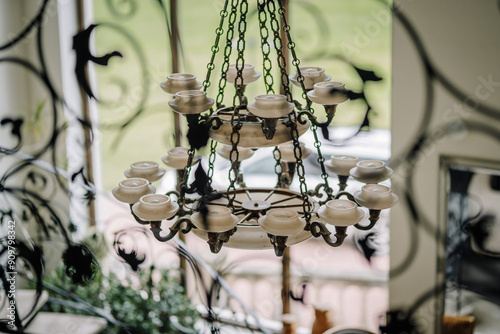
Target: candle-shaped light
[282,222]
[371,171]
[178,158]
[132,189]
[191,102]
[155,207]
[218,219]
[340,212]
[270,106]
[248,72]
[376,197]
[312,75]
[341,164]
[328,93]
[180,81]
[148,170]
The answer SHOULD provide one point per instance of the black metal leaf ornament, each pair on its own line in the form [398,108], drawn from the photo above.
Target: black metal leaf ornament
[81,45]
[131,258]
[367,75]
[198,133]
[81,266]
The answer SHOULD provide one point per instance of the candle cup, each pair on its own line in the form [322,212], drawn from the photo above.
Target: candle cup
[243,152]
[178,158]
[218,219]
[148,170]
[282,222]
[270,106]
[191,102]
[131,190]
[328,93]
[312,75]
[180,81]
[376,197]
[248,72]
[371,171]
[341,212]
[155,207]
[341,164]
[287,151]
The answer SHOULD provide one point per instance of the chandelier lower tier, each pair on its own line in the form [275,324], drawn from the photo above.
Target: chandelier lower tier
[250,217]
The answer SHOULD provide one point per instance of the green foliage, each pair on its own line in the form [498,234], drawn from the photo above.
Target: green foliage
[146,302]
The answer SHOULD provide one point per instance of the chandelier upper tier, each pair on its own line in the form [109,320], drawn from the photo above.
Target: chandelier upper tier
[241,216]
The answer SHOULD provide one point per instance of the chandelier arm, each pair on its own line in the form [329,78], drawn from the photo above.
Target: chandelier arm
[209,122]
[313,119]
[374,217]
[319,229]
[346,194]
[137,219]
[215,48]
[174,229]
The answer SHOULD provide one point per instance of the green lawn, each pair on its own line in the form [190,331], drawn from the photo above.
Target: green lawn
[360,30]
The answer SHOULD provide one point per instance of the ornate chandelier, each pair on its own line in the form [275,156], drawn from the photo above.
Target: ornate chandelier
[242,216]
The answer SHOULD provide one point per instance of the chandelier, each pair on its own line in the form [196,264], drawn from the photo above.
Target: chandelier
[241,216]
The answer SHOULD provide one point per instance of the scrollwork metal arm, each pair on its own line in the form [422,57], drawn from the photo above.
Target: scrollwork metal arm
[374,216]
[329,110]
[319,229]
[174,229]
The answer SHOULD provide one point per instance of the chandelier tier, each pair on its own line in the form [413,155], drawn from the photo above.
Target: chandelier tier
[248,217]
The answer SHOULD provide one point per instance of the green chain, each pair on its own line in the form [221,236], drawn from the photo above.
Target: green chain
[215,48]
[235,117]
[227,53]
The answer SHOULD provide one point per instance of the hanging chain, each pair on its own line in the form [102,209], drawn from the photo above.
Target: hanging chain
[278,45]
[300,79]
[227,53]
[211,161]
[238,97]
[278,168]
[292,117]
[215,48]
[265,47]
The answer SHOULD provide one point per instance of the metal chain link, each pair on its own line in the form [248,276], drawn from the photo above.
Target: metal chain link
[291,47]
[292,117]
[300,78]
[278,45]
[235,117]
[215,48]
[321,161]
[278,168]
[211,161]
[265,47]
[227,53]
